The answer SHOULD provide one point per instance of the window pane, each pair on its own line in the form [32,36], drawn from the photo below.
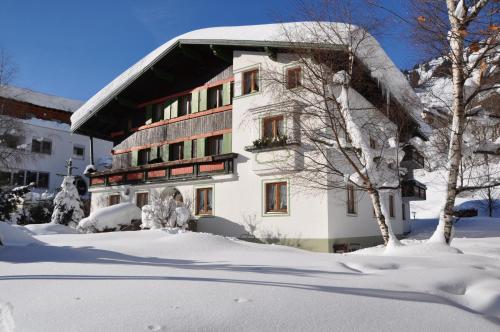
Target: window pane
[268,128]
[283,198]
[4,178]
[19,178]
[194,148]
[246,83]
[255,81]
[143,157]
[157,112]
[30,177]
[141,199]
[78,151]
[47,147]
[36,145]
[212,98]
[113,199]
[43,180]
[176,151]
[184,105]
[280,130]
[209,199]
[201,200]
[271,196]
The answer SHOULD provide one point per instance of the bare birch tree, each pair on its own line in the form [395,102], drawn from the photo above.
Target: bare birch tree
[466,32]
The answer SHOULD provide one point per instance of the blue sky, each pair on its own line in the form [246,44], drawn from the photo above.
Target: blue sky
[74,48]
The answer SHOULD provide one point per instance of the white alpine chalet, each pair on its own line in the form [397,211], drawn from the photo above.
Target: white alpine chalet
[191,117]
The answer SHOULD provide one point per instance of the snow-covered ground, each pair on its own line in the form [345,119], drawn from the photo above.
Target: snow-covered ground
[162,280]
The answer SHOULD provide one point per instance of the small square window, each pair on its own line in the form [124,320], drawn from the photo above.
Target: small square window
[250,82]
[276,197]
[78,151]
[141,199]
[113,199]
[293,77]
[204,201]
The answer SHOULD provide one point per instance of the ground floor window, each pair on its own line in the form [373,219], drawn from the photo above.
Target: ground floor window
[204,201]
[113,199]
[351,199]
[141,199]
[276,197]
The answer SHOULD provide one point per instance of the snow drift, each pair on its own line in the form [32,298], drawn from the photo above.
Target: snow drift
[13,235]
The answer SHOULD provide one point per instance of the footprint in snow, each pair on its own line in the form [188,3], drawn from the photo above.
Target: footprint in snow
[242,300]
[155,327]
[6,319]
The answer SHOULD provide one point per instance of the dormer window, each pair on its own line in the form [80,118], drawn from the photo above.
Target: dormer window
[250,82]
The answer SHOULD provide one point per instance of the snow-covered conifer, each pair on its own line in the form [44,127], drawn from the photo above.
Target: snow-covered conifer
[68,208]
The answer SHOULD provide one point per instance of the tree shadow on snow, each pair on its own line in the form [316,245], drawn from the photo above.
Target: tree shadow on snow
[90,255]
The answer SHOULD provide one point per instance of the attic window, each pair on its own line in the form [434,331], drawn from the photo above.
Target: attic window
[250,82]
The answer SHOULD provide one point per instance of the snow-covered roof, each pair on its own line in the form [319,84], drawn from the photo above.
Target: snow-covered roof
[39,99]
[371,54]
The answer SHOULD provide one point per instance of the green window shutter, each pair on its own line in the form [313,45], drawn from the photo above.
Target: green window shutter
[153,153]
[194,101]
[164,152]
[200,149]
[187,149]
[226,143]
[173,109]
[226,93]
[203,100]
[134,158]
[166,110]
[149,114]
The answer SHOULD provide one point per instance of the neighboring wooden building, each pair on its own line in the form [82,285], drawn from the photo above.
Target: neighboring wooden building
[185,116]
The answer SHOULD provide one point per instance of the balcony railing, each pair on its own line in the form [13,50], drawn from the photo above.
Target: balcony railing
[412,190]
[412,158]
[171,171]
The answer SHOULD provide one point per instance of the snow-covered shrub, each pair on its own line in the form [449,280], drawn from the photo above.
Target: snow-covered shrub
[10,200]
[68,208]
[110,218]
[166,210]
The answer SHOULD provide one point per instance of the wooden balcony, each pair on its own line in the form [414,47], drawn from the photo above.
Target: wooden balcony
[412,158]
[412,190]
[171,171]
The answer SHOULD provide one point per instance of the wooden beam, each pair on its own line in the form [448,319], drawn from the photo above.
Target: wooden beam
[222,54]
[190,53]
[126,102]
[163,74]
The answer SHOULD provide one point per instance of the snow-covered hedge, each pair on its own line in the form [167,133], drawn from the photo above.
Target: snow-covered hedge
[110,218]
